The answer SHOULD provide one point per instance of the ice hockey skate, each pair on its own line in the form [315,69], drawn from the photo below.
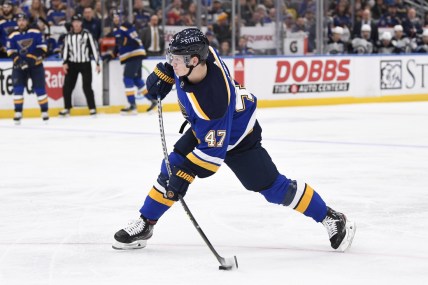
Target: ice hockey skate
[45,117]
[131,110]
[153,104]
[17,118]
[340,230]
[64,113]
[135,235]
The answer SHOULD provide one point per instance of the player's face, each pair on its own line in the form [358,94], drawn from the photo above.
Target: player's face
[178,62]
[22,23]
[366,35]
[7,9]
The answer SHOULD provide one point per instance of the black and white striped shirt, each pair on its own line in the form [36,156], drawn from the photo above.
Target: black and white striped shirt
[80,47]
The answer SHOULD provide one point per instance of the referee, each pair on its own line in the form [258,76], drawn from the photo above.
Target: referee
[79,48]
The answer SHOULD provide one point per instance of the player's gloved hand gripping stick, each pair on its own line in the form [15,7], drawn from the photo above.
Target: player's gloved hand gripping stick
[183,178]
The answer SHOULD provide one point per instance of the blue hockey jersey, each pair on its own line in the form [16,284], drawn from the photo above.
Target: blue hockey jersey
[28,45]
[128,44]
[7,26]
[221,114]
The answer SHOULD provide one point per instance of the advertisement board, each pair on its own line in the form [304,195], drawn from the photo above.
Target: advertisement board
[54,76]
[276,81]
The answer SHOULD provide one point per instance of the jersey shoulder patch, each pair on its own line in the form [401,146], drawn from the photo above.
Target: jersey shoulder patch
[13,34]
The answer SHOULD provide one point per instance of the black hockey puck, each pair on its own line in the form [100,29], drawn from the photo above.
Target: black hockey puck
[222,267]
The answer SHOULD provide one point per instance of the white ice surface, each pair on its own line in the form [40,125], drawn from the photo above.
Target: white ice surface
[67,187]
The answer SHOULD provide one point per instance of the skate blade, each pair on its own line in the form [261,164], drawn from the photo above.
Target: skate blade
[351,228]
[128,246]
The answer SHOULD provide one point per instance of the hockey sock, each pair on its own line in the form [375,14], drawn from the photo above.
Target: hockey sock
[18,101]
[129,90]
[298,196]
[43,102]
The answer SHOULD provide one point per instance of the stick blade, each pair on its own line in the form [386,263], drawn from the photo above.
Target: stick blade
[229,264]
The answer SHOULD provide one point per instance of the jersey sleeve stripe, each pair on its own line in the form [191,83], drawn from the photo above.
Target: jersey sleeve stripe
[209,158]
[202,163]
[196,106]
[306,199]
[158,197]
[220,65]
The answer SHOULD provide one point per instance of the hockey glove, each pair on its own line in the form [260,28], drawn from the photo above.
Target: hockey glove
[33,61]
[160,81]
[179,183]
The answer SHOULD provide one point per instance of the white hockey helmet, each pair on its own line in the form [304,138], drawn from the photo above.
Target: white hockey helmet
[386,36]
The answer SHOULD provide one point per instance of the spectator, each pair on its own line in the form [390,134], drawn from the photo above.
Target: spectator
[401,9]
[412,25]
[264,18]
[400,41]
[216,10]
[175,7]
[82,5]
[92,24]
[242,48]
[141,16]
[247,9]
[269,4]
[36,10]
[335,45]
[173,19]
[306,5]
[155,5]
[225,49]
[56,15]
[343,19]
[366,20]
[363,44]
[311,29]
[212,39]
[153,38]
[256,20]
[389,19]
[300,26]
[385,45]
[192,10]
[379,9]
[289,23]
[222,29]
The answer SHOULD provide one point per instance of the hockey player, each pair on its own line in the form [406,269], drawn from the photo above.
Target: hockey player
[401,43]
[223,128]
[335,44]
[385,45]
[27,49]
[422,43]
[131,53]
[7,25]
[363,44]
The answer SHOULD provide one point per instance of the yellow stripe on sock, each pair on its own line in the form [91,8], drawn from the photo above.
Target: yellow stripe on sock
[306,199]
[43,101]
[158,197]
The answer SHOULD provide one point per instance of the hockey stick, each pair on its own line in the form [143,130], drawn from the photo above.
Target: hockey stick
[225,263]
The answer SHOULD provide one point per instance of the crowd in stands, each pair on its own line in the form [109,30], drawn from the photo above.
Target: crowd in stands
[372,26]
